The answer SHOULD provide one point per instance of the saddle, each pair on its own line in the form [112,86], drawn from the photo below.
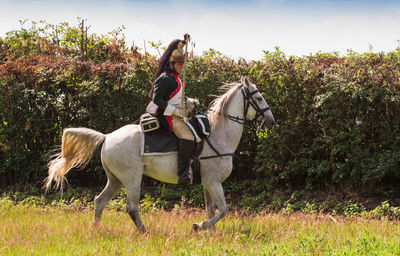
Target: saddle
[159,142]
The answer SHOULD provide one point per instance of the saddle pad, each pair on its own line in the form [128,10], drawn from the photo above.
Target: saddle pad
[158,142]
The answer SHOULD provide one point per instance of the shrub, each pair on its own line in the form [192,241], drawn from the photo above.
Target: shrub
[337,116]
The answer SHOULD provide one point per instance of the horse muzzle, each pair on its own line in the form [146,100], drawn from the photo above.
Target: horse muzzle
[268,122]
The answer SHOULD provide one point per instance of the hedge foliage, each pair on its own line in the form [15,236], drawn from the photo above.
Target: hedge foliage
[337,116]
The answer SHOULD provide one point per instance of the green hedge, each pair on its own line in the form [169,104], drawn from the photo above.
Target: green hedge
[337,117]
[338,121]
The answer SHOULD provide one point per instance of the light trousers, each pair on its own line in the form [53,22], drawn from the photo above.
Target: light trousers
[180,129]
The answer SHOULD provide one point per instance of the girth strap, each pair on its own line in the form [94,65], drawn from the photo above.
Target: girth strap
[216,151]
[196,159]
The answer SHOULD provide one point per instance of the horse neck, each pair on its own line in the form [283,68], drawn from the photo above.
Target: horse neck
[227,133]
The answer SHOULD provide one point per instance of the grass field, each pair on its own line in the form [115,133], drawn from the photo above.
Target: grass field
[54,230]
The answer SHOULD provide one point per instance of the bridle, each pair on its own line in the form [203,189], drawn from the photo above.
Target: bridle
[248,101]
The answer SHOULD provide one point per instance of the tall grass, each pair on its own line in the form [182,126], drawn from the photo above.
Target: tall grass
[52,230]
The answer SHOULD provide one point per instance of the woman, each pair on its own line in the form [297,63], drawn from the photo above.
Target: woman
[167,95]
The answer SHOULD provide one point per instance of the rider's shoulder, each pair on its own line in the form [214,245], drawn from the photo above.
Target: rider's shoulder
[165,77]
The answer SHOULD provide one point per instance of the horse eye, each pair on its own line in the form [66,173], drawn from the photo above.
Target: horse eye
[259,98]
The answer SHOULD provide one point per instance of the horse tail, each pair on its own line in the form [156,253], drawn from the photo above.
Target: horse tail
[77,147]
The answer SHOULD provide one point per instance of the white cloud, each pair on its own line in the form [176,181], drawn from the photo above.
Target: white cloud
[237,30]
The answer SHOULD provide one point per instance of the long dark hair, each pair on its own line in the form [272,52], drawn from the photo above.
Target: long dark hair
[163,63]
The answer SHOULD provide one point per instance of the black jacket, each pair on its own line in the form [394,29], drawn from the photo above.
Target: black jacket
[164,86]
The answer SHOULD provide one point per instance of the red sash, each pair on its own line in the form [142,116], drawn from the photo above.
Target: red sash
[168,118]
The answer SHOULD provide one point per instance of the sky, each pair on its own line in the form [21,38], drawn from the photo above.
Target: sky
[236,28]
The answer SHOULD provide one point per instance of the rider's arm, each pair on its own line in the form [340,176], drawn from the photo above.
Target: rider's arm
[161,92]
[163,88]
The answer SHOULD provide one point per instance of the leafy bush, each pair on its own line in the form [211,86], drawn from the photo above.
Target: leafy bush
[337,116]
[352,209]
[337,121]
[6,202]
[33,201]
[385,211]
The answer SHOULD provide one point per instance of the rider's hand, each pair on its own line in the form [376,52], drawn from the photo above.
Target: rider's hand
[191,104]
[196,102]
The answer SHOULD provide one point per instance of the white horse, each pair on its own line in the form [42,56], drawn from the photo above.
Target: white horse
[124,165]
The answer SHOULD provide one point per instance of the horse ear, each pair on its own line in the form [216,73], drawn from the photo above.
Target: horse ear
[242,80]
[247,81]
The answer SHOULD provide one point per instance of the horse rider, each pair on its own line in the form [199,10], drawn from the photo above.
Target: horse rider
[167,96]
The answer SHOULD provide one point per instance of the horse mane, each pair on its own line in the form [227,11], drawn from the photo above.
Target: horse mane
[219,105]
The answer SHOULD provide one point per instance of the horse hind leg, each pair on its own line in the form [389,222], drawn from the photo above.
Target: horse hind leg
[111,188]
[216,193]
[132,201]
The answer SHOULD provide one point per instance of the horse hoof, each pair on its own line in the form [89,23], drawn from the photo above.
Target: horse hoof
[96,223]
[142,230]
[196,227]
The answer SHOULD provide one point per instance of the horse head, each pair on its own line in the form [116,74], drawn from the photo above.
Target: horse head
[256,108]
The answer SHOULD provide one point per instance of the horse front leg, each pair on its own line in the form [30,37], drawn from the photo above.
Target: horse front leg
[216,193]
[210,205]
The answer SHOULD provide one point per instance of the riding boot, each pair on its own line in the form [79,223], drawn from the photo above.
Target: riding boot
[185,153]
